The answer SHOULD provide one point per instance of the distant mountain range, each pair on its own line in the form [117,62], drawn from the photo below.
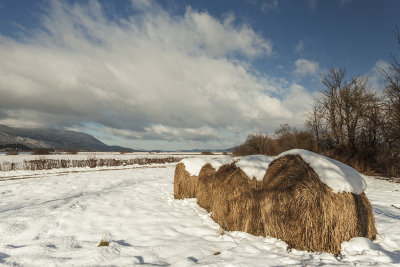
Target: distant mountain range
[29,139]
[25,139]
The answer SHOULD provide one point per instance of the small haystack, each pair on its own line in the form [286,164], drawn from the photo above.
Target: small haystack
[204,191]
[184,183]
[305,213]
[236,201]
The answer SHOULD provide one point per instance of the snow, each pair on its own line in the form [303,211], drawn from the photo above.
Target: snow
[21,159]
[58,219]
[254,165]
[194,165]
[357,245]
[338,176]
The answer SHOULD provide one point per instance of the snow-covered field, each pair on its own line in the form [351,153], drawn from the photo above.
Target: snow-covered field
[21,164]
[21,158]
[59,217]
[85,155]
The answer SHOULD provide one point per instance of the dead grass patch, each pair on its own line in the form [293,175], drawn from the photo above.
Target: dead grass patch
[104,243]
[12,153]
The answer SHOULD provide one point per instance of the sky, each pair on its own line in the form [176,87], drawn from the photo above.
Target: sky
[182,74]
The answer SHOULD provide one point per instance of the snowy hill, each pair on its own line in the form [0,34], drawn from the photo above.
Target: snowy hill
[53,138]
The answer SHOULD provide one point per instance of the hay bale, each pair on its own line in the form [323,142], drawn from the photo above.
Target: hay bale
[304,212]
[184,184]
[236,200]
[204,192]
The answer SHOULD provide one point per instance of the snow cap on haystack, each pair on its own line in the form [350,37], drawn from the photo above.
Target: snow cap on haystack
[194,165]
[254,165]
[187,172]
[338,176]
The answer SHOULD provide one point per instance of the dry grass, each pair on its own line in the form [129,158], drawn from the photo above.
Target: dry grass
[236,201]
[105,240]
[72,152]
[104,243]
[184,184]
[204,191]
[302,211]
[41,151]
[12,153]
[92,162]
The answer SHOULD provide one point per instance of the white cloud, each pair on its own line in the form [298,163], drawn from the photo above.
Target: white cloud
[312,4]
[299,46]
[222,38]
[344,2]
[304,67]
[143,4]
[300,100]
[150,76]
[375,78]
[269,5]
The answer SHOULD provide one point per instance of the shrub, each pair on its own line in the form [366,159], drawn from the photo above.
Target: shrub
[72,151]
[41,151]
[12,152]
[207,153]
[44,163]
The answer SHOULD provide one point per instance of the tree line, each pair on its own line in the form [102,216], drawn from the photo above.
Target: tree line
[348,122]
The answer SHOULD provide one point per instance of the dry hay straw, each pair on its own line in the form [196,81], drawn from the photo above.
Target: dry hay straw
[204,191]
[184,183]
[302,211]
[234,199]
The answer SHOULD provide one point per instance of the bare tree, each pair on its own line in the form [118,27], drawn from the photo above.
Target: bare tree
[392,102]
[316,126]
[330,103]
[341,115]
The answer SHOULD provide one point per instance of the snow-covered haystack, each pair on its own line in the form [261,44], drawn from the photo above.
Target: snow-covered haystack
[236,200]
[314,203]
[224,190]
[309,201]
[186,179]
[184,183]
